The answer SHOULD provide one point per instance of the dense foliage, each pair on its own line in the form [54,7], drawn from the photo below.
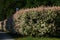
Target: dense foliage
[36,23]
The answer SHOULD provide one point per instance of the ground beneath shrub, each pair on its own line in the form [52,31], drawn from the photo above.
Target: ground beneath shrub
[37,38]
[5,36]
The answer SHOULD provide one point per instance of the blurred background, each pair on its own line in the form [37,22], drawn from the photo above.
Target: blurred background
[8,7]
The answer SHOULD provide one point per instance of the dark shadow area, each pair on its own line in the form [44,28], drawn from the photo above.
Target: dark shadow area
[16,35]
[21,36]
[10,24]
[4,35]
[9,27]
[57,24]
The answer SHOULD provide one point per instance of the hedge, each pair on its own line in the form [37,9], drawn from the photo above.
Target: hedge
[37,23]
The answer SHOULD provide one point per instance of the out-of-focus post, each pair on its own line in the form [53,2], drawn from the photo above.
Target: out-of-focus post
[2,23]
[17,9]
[0,26]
